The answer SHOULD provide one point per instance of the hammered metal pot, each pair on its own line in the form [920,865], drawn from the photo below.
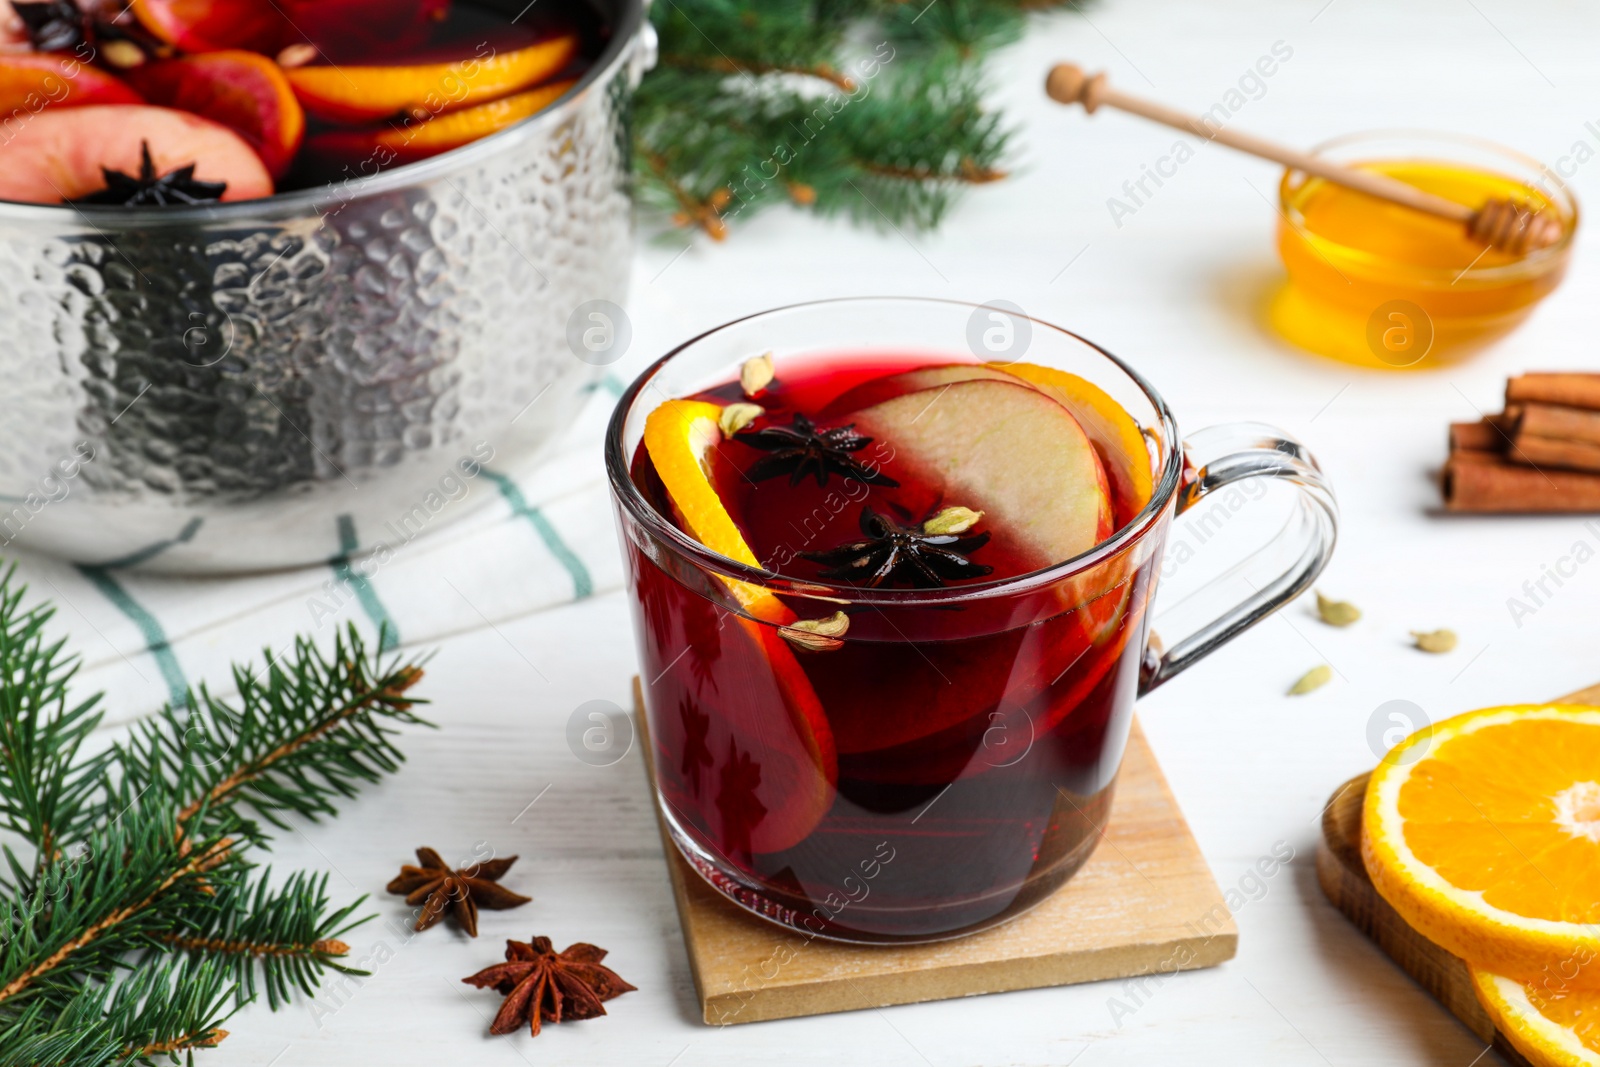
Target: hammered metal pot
[270,383]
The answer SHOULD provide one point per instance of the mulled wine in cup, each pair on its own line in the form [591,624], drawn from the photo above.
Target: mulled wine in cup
[892,563]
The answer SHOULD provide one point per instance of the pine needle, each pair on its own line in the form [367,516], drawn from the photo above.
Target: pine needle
[132,913]
[872,110]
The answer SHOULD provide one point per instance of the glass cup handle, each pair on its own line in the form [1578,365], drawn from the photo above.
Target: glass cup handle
[1223,456]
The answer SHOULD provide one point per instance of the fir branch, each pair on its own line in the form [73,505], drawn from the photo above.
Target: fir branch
[141,849]
[729,65]
[89,913]
[285,936]
[154,1012]
[45,787]
[764,36]
[313,729]
[731,122]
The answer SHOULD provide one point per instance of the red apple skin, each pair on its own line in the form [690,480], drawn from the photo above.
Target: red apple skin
[30,83]
[57,154]
[212,25]
[1007,450]
[343,30]
[243,91]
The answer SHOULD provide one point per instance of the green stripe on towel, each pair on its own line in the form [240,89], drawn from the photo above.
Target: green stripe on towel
[582,584]
[358,583]
[155,637]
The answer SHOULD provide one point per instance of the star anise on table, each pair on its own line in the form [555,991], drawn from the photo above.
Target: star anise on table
[53,25]
[149,189]
[894,553]
[437,887]
[799,449]
[543,985]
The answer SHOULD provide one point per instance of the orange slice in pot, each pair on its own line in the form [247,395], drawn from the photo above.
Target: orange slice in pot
[391,145]
[354,94]
[797,761]
[1483,832]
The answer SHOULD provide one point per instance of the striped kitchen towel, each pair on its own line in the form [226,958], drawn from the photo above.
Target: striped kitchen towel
[548,538]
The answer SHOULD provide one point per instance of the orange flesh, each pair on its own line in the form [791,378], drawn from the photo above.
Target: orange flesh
[443,133]
[1483,811]
[354,94]
[1577,1010]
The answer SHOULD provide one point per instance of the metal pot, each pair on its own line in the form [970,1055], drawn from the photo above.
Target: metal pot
[270,383]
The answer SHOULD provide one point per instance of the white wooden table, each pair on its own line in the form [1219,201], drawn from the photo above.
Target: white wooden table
[1175,289]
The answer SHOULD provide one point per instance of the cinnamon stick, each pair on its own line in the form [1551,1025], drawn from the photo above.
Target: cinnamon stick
[1481,436]
[1569,390]
[1536,451]
[1561,423]
[1485,483]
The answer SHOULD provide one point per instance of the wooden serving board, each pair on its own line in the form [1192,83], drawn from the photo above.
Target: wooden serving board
[1345,883]
[1144,903]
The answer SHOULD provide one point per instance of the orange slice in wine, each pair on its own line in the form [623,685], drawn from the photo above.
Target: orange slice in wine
[797,760]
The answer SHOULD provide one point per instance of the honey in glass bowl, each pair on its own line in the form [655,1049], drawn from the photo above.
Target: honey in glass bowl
[1381,285]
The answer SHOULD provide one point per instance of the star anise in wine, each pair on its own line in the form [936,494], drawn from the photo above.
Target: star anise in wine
[53,25]
[152,190]
[543,985]
[437,887]
[898,554]
[799,449]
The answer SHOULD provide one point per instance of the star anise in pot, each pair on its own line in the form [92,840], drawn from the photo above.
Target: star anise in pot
[149,189]
[799,449]
[462,892]
[922,555]
[543,985]
[53,25]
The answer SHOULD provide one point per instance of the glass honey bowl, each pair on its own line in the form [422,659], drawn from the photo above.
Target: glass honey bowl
[1380,285]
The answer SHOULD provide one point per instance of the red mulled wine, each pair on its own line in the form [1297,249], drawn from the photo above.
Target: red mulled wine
[916,734]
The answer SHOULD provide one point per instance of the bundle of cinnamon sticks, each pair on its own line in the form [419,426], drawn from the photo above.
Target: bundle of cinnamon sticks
[1541,455]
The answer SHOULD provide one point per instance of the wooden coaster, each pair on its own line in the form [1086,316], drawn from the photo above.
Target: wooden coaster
[1145,903]
[1345,883]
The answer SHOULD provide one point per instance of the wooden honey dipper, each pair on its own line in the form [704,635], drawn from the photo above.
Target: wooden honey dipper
[1502,224]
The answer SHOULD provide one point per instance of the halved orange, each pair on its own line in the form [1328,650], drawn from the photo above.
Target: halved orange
[799,761]
[1483,832]
[354,94]
[1120,441]
[1551,1027]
